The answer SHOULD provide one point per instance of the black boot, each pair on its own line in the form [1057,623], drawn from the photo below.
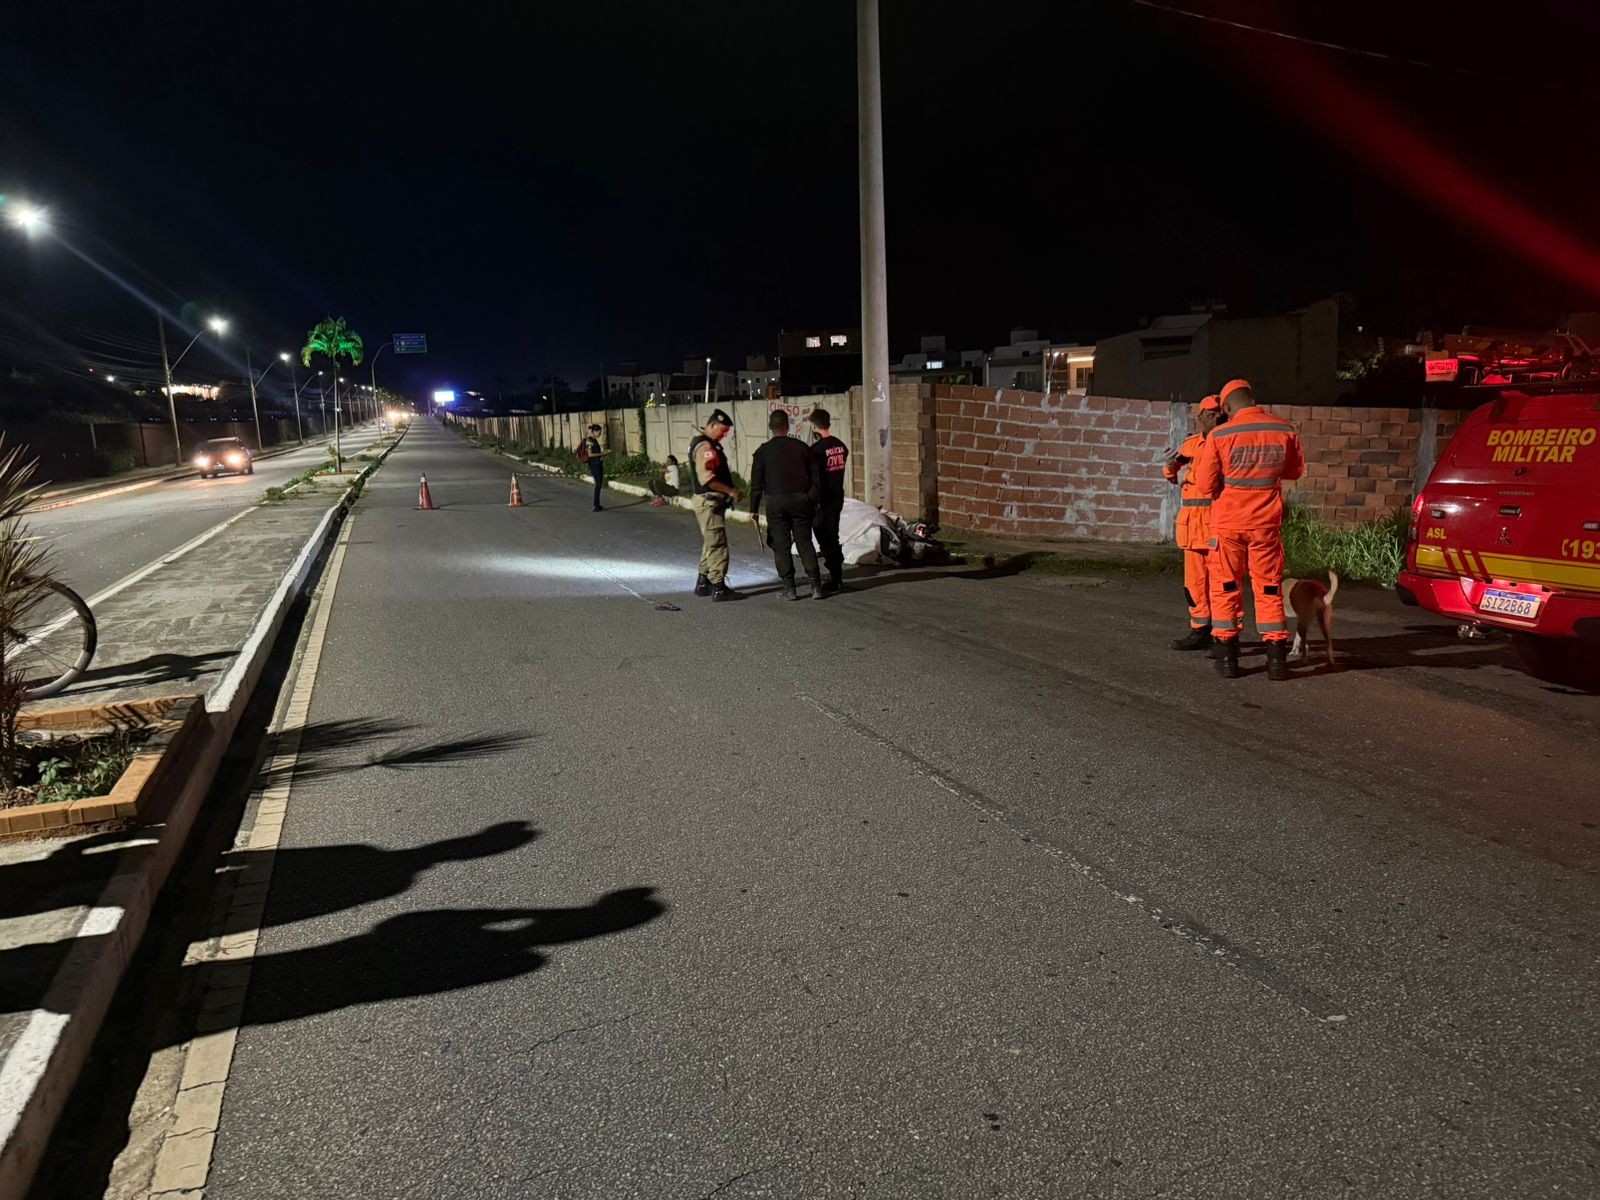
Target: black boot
[702,586]
[1226,655]
[1277,661]
[1198,639]
[817,592]
[786,591]
[721,591]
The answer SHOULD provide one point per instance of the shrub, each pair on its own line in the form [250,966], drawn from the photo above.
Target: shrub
[112,462]
[1372,550]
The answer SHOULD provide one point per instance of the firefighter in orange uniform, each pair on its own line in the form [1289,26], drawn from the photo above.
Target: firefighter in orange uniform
[1194,525]
[1241,468]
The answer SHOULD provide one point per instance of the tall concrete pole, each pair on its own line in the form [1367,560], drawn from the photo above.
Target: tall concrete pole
[172,401]
[874,271]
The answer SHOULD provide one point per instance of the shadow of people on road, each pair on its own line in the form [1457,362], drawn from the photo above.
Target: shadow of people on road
[427,953]
[313,881]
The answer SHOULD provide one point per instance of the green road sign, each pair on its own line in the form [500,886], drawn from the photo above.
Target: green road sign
[410,343]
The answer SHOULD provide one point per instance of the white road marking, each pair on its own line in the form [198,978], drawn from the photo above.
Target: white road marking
[183,1164]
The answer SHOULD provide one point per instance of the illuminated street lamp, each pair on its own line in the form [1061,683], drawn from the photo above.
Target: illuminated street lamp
[29,218]
[299,433]
[218,326]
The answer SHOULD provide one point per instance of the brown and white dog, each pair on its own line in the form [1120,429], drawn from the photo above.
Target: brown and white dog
[1308,601]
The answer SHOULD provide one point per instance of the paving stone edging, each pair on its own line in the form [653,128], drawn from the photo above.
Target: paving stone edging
[38,1074]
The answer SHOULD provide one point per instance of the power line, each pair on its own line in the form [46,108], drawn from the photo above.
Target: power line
[1363,52]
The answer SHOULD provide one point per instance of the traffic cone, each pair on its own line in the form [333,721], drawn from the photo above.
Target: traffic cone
[424,497]
[516,493]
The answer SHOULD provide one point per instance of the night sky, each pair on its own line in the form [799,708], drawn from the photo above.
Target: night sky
[548,187]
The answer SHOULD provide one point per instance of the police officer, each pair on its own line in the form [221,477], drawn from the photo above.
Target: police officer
[786,474]
[713,492]
[832,455]
[594,454]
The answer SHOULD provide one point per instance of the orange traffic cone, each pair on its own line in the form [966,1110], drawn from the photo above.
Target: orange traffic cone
[516,493]
[424,497]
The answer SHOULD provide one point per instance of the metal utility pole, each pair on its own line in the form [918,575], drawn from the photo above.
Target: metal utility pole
[255,409]
[874,271]
[299,433]
[381,349]
[172,401]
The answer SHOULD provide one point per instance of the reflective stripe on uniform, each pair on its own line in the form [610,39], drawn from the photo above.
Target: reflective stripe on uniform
[1263,427]
[1245,481]
[1203,503]
[1223,623]
[1271,626]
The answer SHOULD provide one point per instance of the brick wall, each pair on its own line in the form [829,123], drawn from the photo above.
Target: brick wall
[1063,466]
[1362,463]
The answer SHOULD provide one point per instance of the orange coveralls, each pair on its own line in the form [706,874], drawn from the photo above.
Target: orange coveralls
[1245,460]
[1194,531]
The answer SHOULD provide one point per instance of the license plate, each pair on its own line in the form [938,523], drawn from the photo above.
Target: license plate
[1510,604]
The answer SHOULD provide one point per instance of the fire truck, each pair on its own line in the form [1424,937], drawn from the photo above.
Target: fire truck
[1480,356]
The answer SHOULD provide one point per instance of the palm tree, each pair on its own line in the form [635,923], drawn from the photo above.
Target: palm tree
[24,585]
[335,339]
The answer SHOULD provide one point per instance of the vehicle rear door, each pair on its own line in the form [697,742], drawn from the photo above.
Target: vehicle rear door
[1519,486]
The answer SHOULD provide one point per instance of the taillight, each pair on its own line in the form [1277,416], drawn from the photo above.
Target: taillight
[1416,516]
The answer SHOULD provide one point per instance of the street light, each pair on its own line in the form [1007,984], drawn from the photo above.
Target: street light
[373,361]
[29,218]
[708,379]
[288,361]
[218,326]
[254,380]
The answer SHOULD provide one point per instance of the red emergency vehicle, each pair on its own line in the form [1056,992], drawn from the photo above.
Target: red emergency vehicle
[1506,533]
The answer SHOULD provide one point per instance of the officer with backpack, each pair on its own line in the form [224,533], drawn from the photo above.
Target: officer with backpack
[591,452]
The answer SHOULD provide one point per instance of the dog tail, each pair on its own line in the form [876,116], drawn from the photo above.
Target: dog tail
[1333,586]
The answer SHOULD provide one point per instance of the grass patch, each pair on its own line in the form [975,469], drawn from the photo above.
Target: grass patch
[273,495]
[1373,551]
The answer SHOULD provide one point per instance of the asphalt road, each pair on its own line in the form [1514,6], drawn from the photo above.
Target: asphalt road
[97,541]
[956,885]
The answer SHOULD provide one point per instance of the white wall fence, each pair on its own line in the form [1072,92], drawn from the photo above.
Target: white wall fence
[667,430]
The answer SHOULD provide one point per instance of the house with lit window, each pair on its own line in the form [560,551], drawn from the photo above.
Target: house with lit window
[819,362]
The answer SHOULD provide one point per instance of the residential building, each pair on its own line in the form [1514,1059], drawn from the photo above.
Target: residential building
[934,363]
[760,377]
[690,385]
[641,385]
[1292,358]
[815,362]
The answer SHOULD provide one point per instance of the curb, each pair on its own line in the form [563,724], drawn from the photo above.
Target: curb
[40,1070]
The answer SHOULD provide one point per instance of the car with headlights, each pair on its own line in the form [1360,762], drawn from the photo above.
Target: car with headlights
[224,456]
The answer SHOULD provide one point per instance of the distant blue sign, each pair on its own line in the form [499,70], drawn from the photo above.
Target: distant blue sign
[410,343]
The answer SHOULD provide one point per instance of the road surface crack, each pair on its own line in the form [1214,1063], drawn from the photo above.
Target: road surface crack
[556,1037]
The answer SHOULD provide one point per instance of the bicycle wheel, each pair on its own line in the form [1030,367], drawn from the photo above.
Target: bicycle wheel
[53,644]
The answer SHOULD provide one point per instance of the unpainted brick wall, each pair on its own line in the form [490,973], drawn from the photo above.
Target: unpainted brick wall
[1061,466]
[1021,464]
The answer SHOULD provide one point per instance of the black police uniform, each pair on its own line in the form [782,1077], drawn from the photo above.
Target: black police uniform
[832,455]
[785,473]
[597,466]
